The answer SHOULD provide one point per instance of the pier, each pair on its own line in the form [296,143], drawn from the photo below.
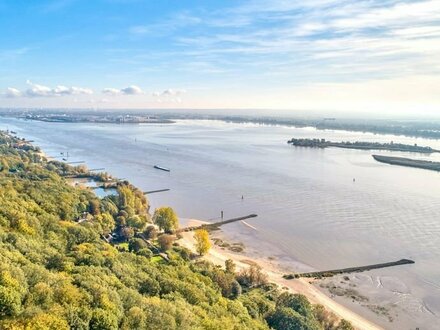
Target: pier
[216,225]
[96,169]
[155,191]
[330,273]
[78,162]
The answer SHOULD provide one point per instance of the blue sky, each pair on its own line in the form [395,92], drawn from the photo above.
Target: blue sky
[370,56]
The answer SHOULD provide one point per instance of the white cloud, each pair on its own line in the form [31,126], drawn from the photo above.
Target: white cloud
[169,95]
[36,90]
[130,90]
[170,92]
[308,40]
[111,91]
[12,92]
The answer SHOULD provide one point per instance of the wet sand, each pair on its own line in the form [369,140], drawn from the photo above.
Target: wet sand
[218,256]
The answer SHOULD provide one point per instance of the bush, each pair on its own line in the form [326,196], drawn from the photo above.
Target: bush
[285,318]
[165,242]
[136,244]
[10,301]
[150,232]
[145,253]
[252,277]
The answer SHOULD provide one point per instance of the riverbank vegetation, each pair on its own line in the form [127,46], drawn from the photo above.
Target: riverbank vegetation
[323,143]
[71,260]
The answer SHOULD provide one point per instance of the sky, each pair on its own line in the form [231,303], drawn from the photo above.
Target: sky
[375,56]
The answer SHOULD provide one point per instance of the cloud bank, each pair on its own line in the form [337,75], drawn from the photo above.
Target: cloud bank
[36,90]
[130,90]
[169,95]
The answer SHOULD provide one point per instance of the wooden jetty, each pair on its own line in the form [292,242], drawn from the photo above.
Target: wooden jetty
[216,225]
[78,162]
[330,273]
[155,191]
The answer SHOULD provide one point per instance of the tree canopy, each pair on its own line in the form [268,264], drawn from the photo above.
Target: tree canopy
[203,243]
[166,219]
[59,271]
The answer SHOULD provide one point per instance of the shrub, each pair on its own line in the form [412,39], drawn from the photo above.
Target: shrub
[166,242]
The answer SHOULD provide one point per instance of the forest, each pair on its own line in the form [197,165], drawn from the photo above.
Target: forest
[71,260]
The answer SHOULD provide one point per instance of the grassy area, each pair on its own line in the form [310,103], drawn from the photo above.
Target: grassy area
[156,259]
[123,246]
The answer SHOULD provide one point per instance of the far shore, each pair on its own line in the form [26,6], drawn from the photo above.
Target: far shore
[218,256]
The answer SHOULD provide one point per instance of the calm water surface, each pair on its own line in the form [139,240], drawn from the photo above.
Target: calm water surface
[309,209]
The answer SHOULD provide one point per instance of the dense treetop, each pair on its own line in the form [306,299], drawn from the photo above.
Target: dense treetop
[58,271]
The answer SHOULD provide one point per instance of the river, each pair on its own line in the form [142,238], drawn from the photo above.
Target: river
[317,208]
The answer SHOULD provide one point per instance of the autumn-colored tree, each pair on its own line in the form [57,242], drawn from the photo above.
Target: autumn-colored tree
[166,219]
[127,233]
[252,277]
[203,244]
[345,325]
[230,266]
[150,232]
[58,274]
[166,241]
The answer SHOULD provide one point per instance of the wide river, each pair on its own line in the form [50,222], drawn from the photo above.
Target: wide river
[312,214]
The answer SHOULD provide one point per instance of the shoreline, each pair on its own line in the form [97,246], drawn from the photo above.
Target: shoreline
[344,301]
[275,273]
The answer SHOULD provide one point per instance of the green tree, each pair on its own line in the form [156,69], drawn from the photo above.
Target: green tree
[136,244]
[297,302]
[103,320]
[293,311]
[166,219]
[136,222]
[95,207]
[10,301]
[285,318]
[344,325]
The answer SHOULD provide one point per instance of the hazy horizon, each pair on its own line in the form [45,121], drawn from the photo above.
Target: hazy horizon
[250,113]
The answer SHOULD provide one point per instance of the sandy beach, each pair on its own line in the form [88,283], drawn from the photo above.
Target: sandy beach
[218,256]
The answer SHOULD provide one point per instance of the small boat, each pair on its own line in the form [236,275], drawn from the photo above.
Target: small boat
[162,168]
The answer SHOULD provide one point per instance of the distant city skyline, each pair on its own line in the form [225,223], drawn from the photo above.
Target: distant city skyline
[379,57]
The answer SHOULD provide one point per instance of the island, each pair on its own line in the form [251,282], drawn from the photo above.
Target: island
[323,143]
[424,164]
